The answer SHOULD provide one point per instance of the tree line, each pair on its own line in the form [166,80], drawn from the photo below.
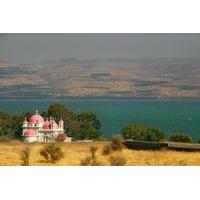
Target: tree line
[85,125]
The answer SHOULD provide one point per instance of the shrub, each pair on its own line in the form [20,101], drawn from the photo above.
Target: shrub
[95,162]
[61,137]
[92,159]
[86,161]
[52,152]
[117,160]
[180,137]
[140,132]
[117,143]
[93,150]
[90,133]
[107,149]
[25,156]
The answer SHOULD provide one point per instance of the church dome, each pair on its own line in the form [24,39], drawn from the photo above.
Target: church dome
[30,132]
[36,118]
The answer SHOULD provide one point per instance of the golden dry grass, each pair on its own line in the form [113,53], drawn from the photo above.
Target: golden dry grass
[75,152]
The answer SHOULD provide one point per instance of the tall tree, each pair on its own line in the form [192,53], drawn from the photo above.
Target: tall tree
[59,111]
[90,125]
[5,123]
[17,122]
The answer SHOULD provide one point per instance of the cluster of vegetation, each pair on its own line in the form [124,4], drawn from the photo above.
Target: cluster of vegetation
[25,156]
[10,155]
[180,137]
[6,120]
[84,125]
[140,132]
[90,126]
[91,160]
[116,145]
[117,160]
[52,152]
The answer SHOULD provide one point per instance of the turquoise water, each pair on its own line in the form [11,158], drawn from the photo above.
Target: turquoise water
[169,115]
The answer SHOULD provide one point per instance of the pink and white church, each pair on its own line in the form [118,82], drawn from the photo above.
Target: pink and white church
[36,129]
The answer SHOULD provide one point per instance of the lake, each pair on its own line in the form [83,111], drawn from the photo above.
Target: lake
[169,115]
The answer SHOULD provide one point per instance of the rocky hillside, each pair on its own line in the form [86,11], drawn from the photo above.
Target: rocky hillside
[123,78]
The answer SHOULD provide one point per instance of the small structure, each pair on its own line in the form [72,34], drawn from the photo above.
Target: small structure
[36,129]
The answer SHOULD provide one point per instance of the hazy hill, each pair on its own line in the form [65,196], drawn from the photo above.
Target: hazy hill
[143,78]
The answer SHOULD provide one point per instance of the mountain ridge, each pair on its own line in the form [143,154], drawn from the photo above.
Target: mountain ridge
[113,78]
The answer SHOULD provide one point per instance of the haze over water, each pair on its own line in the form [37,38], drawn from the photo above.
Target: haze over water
[37,47]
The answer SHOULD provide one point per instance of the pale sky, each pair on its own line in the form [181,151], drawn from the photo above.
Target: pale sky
[33,48]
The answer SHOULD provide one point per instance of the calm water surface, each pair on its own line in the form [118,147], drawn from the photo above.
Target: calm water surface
[169,115]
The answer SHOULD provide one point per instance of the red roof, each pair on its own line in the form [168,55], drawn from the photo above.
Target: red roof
[36,118]
[47,124]
[30,132]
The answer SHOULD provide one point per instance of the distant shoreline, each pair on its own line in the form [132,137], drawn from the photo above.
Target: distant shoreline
[102,99]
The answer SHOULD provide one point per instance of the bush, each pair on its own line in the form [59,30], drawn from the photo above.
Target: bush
[117,160]
[89,133]
[140,132]
[180,137]
[25,156]
[52,152]
[107,149]
[117,143]
[93,150]
[61,137]
[86,161]
[92,159]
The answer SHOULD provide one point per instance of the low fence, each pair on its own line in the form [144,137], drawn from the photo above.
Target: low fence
[142,145]
[183,146]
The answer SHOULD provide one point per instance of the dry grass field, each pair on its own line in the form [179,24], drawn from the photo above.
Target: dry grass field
[75,152]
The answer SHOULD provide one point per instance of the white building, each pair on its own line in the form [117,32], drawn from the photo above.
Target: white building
[36,129]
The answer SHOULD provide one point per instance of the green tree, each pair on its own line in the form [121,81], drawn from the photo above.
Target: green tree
[89,119]
[17,122]
[180,137]
[69,117]
[90,125]
[89,133]
[5,123]
[140,132]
